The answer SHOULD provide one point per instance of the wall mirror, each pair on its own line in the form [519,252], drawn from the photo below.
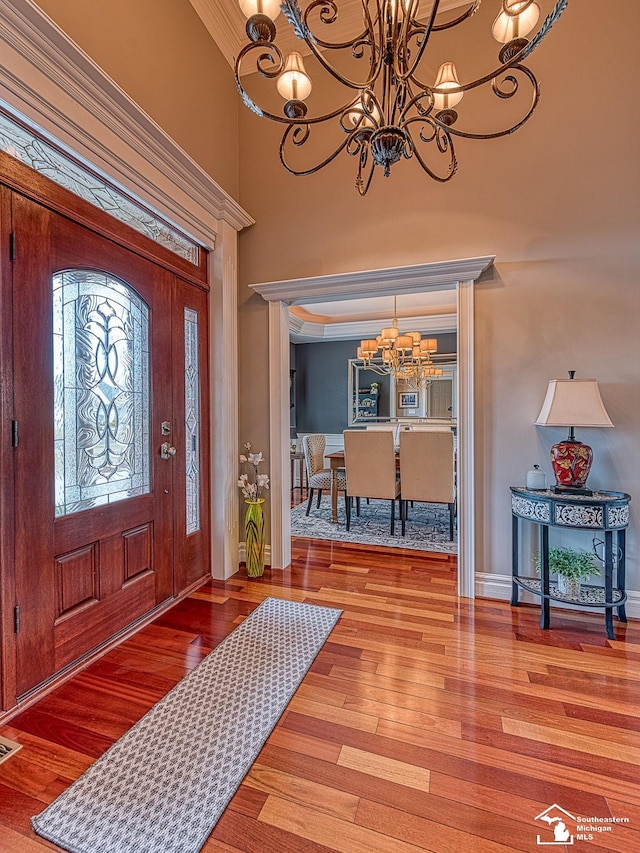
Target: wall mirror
[376,398]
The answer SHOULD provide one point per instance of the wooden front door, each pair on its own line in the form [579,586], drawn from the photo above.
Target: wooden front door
[101,440]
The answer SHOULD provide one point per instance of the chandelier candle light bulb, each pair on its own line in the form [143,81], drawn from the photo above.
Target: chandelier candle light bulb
[391,108]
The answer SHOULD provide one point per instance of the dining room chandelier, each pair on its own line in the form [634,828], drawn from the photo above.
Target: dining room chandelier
[390,109]
[407,356]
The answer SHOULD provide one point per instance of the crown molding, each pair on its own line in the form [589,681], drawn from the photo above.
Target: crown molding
[225,24]
[302,331]
[383,282]
[48,80]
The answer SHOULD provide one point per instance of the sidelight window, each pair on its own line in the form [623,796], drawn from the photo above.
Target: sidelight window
[192,419]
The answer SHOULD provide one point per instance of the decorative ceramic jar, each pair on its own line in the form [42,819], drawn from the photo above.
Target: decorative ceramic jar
[536,479]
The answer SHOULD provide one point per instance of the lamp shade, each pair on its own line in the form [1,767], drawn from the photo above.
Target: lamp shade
[447,79]
[270,8]
[520,20]
[573,402]
[294,83]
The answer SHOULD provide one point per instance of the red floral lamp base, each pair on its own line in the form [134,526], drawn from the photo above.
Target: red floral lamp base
[571,463]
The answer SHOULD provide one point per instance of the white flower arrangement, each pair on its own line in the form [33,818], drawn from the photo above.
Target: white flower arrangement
[252,488]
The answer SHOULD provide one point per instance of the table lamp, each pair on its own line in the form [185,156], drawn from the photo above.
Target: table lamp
[572,403]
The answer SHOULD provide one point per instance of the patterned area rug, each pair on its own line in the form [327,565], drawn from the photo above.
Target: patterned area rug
[427,527]
[162,786]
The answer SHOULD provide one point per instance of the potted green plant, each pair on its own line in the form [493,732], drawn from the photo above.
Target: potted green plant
[571,567]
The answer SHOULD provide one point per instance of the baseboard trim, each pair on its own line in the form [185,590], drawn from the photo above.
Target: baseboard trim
[499,586]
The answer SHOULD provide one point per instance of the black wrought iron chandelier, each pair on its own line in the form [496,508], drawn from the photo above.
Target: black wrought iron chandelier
[388,112]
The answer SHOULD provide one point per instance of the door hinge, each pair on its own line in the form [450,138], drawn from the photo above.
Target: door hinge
[14,433]
[16,619]
[12,246]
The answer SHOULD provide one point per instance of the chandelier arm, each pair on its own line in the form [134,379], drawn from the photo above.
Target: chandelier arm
[465,15]
[299,136]
[550,20]
[363,188]
[515,60]
[250,103]
[328,18]
[277,61]
[351,84]
[414,29]
[454,131]
[265,72]
[362,151]
[444,144]
[365,38]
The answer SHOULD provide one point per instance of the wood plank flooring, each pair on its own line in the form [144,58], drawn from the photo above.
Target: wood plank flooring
[425,723]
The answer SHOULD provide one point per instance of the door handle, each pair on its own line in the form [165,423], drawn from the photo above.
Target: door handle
[166,450]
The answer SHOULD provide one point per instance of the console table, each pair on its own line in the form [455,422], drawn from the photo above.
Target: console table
[606,512]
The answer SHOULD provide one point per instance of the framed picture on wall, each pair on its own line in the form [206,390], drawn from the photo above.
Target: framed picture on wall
[408,399]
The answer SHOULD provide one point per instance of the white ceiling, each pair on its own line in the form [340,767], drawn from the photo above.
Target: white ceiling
[379,307]
[427,312]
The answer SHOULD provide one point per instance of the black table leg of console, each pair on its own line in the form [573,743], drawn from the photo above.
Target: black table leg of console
[620,577]
[514,559]
[544,572]
[608,582]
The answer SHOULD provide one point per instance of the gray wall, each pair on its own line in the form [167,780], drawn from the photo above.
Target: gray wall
[322,383]
[322,400]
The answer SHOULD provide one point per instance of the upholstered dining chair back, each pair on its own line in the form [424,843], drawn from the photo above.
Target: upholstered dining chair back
[318,475]
[392,428]
[313,447]
[427,467]
[370,460]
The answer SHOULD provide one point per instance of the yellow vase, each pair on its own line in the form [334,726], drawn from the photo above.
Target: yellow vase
[254,538]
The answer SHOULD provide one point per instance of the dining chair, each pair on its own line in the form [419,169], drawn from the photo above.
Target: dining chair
[427,471]
[370,463]
[318,475]
[390,427]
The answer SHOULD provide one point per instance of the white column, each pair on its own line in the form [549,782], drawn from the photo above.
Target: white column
[466,450]
[223,367]
[279,457]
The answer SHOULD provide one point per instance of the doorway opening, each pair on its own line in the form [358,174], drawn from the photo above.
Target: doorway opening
[333,391]
[461,275]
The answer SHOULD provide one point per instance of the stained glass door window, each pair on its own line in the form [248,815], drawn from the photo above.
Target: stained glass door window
[101,391]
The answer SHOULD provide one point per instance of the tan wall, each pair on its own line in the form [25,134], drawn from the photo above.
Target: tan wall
[557,203]
[160,53]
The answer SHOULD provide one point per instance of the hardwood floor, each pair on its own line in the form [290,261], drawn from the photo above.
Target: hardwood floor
[424,724]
